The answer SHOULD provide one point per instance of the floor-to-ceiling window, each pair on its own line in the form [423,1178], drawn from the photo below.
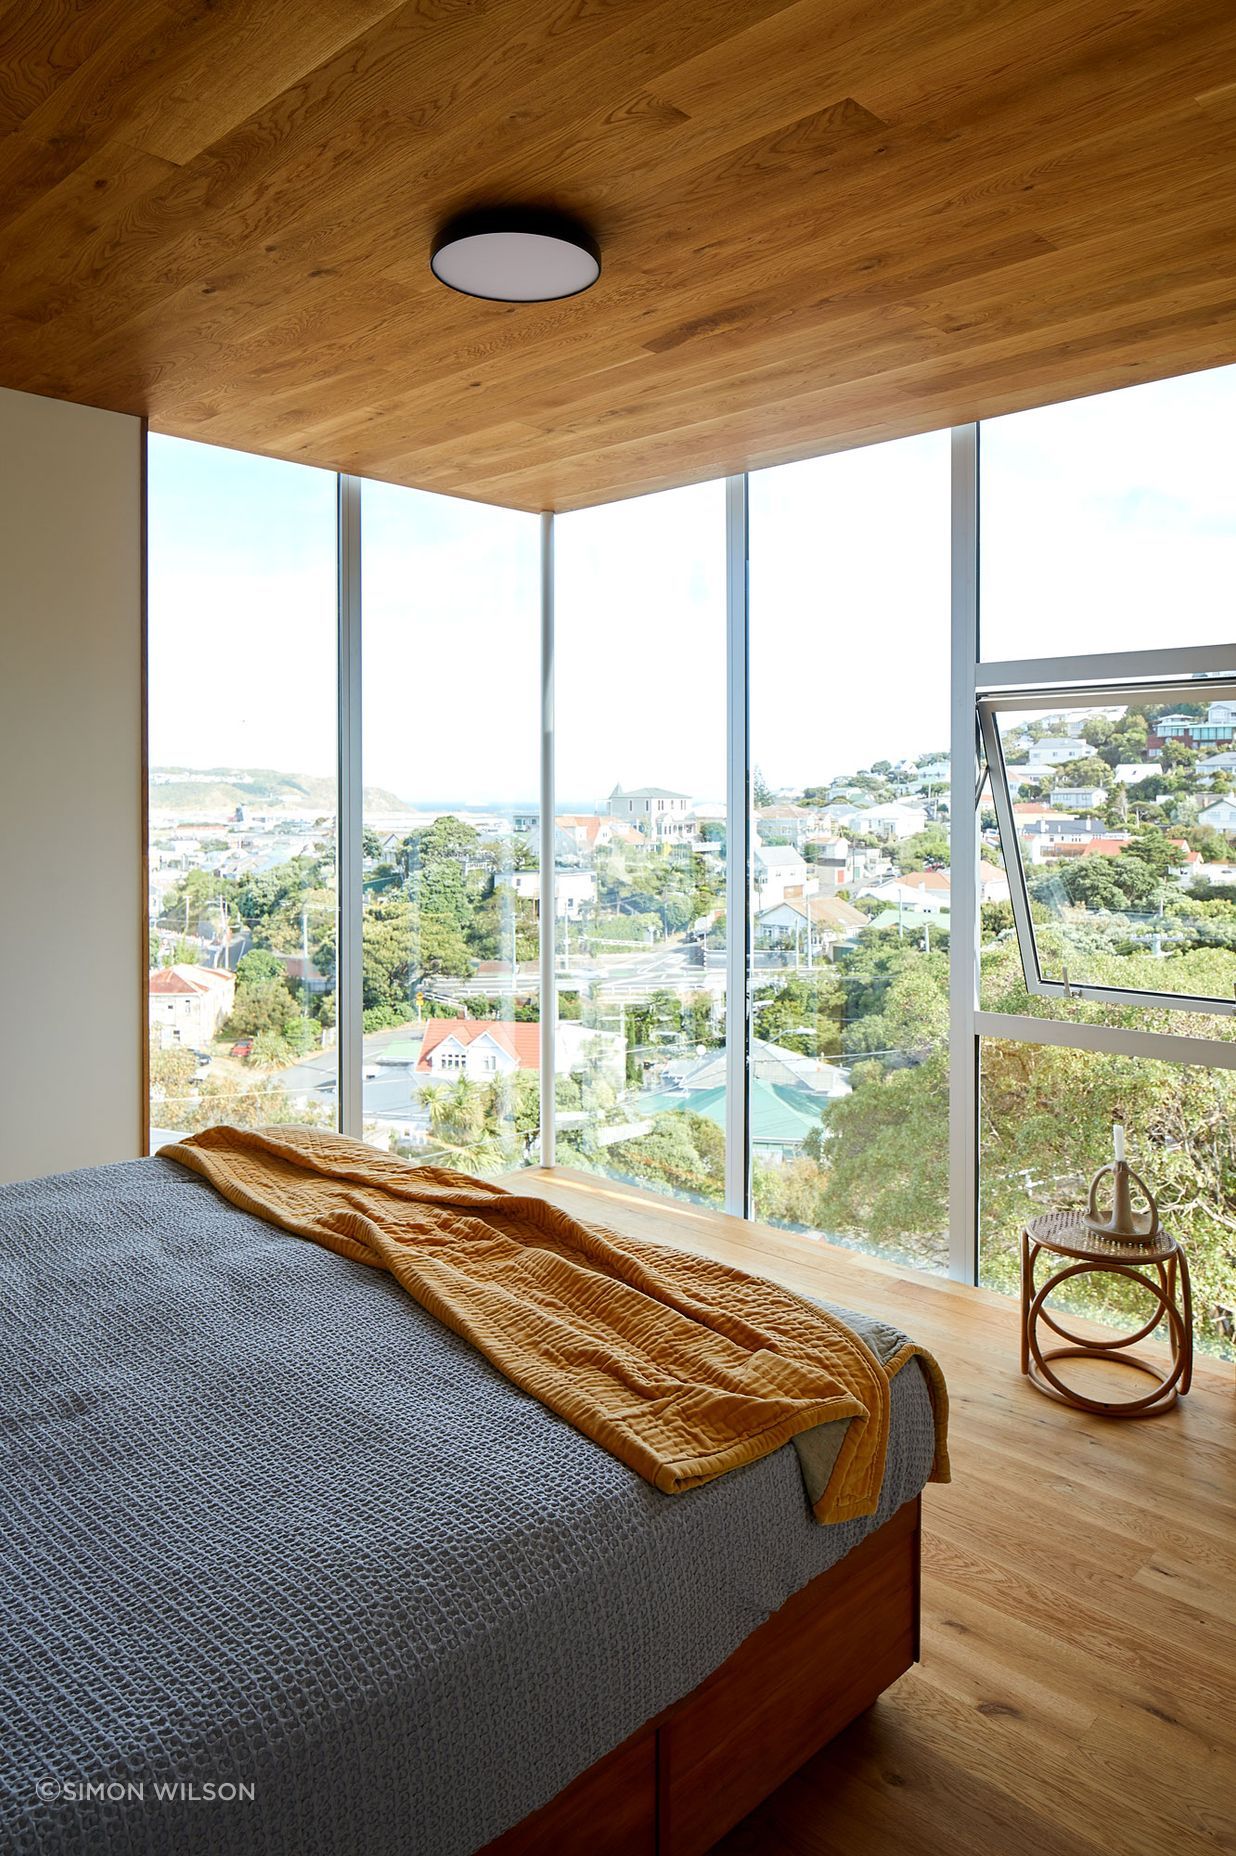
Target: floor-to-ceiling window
[640,840]
[450,614]
[242,795]
[920,1072]
[850,886]
[1108,549]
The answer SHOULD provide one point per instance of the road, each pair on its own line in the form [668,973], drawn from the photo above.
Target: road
[391,1095]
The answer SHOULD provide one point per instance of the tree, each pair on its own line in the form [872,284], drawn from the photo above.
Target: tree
[504,925]
[1088,770]
[257,966]
[265,1011]
[925,850]
[389,955]
[186,1101]
[683,1152]
[761,792]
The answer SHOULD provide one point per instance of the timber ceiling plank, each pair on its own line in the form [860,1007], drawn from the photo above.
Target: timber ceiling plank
[824,222]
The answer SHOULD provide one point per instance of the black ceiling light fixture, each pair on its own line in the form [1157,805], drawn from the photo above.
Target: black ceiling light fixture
[515,254]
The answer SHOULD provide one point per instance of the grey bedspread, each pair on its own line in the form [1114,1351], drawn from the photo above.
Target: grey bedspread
[266,1524]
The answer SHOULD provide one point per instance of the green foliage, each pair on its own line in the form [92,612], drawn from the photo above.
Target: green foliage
[682,1152]
[803,1012]
[257,966]
[485,1127]
[1086,770]
[183,1099]
[926,850]
[387,955]
[502,925]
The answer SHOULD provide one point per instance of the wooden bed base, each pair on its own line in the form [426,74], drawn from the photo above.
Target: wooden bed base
[678,1784]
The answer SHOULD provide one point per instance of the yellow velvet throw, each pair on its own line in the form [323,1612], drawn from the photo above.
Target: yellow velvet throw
[679,1366]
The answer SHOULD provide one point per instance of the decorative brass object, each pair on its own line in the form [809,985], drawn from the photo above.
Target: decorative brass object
[1121,1221]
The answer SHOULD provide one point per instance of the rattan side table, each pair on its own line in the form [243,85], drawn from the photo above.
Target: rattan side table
[1162,1269]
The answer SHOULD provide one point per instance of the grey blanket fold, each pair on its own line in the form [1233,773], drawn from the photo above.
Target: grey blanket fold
[258,1594]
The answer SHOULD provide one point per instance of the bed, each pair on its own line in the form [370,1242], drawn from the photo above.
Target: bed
[290,1567]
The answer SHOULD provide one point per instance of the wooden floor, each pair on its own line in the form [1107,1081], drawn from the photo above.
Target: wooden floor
[1077,1693]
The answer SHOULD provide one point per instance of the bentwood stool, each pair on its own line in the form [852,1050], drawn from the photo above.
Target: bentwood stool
[1158,1264]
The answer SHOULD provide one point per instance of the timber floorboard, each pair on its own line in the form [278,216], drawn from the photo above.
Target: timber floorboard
[1078,1677]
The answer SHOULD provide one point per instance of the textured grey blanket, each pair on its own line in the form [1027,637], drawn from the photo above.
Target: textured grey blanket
[269,1531]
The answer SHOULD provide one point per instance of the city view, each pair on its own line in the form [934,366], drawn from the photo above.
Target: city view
[1125,829]
[850,906]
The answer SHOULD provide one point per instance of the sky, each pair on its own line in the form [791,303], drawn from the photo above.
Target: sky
[1107,523]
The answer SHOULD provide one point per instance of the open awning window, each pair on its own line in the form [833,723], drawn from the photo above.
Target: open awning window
[1115,810]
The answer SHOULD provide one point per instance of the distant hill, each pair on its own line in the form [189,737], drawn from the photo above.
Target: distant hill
[221,789]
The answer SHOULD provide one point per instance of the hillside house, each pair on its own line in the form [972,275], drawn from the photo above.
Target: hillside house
[655,810]
[778,869]
[785,824]
[1221,816]
[1078,798]
[187,1004]
[1055,751]
[480,1050]
[895,821]
[830,862]
[809,926]
[574,890]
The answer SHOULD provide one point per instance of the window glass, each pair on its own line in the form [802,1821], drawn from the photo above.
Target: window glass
[242,747]
[1109,523]
[451,734]
[1046,1128]
[640,840]
[850,902]
[1124,830]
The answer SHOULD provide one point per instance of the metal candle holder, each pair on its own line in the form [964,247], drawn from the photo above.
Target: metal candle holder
[1121,1221]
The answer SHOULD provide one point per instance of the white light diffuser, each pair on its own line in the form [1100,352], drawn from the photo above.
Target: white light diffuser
[515,256]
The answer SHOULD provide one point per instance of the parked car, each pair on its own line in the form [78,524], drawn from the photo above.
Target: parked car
[204,1060]
[242,1047]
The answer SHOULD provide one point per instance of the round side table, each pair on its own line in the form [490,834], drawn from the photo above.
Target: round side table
[1159,1265]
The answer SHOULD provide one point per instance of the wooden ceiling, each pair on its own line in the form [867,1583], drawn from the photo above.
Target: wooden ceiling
[823,223]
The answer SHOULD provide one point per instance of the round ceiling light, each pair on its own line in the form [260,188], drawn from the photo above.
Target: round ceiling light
[515,255]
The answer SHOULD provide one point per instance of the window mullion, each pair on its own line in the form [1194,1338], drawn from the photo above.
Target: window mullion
[963,838]
[349,840]
[547,885]
[738,853]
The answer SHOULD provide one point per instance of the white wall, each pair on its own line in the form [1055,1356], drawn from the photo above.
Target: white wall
[72,939]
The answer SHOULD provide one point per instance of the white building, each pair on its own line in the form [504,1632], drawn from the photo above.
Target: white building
[1221,816]
[1215,763]
[926,891]
[897,820]
[479,1050]
[1078,798]
[830,863]
[188,1004]
[1133,772]
[654,810]
[778,869]
[786,823]
[1054,751]
[1044,838]
[810,925]
[574,890]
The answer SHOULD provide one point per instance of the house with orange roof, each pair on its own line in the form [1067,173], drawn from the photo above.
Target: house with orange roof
[188,1004]
[480,1050]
